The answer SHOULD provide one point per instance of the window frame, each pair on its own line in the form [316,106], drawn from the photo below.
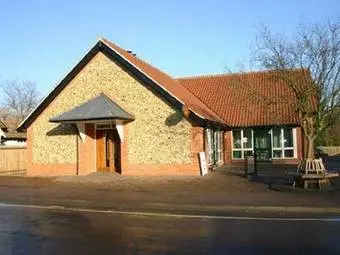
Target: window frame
[282,148]
[242,149]
[215,146]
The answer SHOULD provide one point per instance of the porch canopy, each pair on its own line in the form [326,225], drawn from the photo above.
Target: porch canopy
[97,110]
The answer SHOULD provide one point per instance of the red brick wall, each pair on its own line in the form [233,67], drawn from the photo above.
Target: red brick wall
[227,147]
[300,142]
[87,151]
[159,169]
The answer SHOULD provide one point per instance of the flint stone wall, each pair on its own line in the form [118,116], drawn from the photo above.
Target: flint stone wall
[158,135]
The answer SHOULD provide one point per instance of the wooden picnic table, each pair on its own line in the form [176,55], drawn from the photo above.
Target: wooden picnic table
[312,172]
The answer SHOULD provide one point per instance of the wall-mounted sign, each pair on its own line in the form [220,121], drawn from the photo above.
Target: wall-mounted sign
[203,163]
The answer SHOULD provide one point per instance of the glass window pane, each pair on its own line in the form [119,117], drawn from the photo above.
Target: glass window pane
[247,139]
[237,139]
[288,137]
[211,158]
[220,141]
[248,153]
[277,138]
[237,154]
[277,153]
[289,153]
[210,140]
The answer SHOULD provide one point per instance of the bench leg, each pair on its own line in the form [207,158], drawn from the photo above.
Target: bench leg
[324,183]
[305,184]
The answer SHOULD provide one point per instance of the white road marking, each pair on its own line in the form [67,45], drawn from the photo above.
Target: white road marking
[193,216]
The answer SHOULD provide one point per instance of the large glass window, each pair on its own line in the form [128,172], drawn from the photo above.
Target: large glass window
[237,139]
[282,140]
[242,143]
[247,139]
[283,144]
[288,137]
[277,138]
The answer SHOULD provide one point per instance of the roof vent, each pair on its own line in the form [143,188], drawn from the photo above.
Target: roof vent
[130,52]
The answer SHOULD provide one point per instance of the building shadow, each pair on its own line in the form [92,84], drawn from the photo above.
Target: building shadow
[63,129]
[174,119]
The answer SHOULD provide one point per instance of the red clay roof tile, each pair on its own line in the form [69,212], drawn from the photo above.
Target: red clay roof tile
[247,99]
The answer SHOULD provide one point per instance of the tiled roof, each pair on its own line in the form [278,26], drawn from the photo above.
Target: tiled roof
[12,134]
[168,83]
[9,128]
[247,99]
[2,125]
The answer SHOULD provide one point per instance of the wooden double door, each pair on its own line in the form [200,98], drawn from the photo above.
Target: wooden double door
[108,150]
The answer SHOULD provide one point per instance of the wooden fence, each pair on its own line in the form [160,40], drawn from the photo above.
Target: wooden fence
[330,150]
[13,161]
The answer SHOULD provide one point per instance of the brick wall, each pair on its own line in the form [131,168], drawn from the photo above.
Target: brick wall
[227,147]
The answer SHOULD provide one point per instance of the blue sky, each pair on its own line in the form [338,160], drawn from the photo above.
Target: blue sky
[42,40]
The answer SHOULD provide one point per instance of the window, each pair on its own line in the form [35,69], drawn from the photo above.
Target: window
[283,144]
[218,150]
[237,139]
[242,143]
[210,145]
[247,139]
[214,139]
[277,138]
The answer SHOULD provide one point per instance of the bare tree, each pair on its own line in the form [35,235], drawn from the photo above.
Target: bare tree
[20,98]
[315,48]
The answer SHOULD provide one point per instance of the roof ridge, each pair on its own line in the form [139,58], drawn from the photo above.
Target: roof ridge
[105,40]
[234,74]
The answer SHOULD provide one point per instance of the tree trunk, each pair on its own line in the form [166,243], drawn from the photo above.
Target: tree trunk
[310,154]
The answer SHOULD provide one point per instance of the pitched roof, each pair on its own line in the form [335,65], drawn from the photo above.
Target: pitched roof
[98,108]
[168,83]
[247,99]
[165,83]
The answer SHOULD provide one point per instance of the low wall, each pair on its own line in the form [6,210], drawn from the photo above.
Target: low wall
[13,160]
[330,150]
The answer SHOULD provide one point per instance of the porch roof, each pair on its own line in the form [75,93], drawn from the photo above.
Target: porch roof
[100,107]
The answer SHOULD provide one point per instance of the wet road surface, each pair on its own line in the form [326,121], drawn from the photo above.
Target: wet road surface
[50,231]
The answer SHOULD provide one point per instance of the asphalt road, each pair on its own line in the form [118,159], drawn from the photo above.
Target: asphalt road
[54,231]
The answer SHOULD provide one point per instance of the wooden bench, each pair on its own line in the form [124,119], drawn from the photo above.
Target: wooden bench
[312,172]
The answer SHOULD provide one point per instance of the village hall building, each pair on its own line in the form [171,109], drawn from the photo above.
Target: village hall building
[115,112]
